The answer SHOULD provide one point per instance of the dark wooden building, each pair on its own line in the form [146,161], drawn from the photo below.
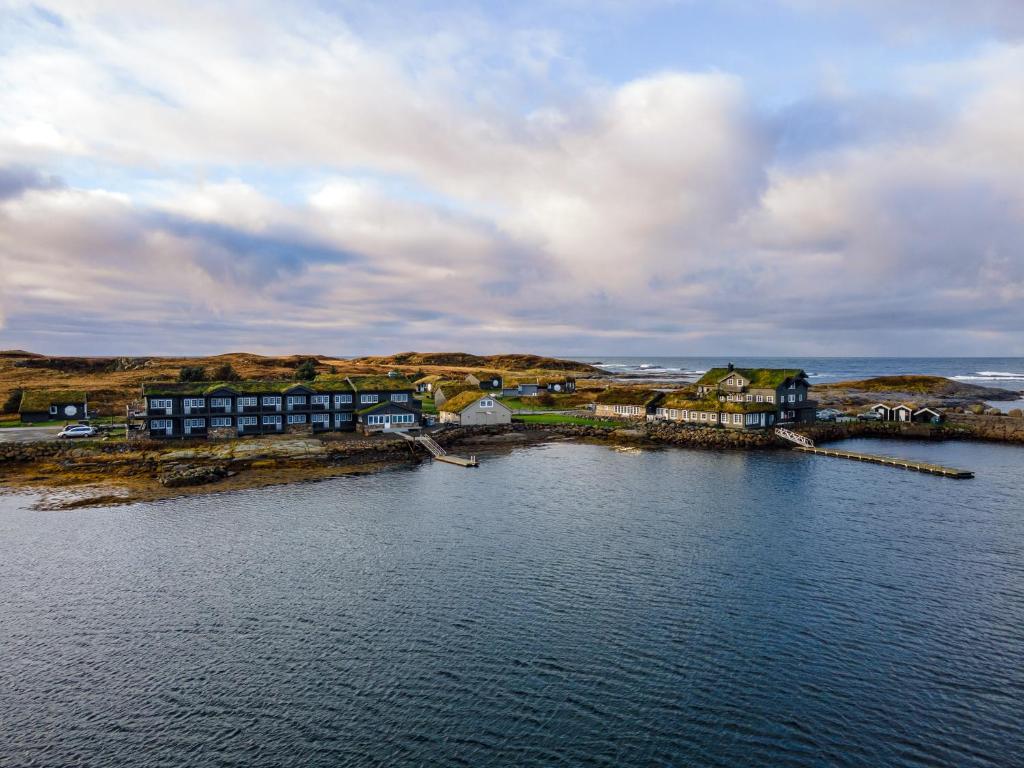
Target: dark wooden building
[230,409]
[53,405]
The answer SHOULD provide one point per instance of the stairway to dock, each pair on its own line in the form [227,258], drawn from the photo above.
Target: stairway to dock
[805,445]
[439,453]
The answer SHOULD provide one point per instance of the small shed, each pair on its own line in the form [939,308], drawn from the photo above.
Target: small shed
[486,380]
[387,416]
[470,409]
[927,416]
[53,405]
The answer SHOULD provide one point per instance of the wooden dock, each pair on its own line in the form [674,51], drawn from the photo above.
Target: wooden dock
[439,453]
[890,461]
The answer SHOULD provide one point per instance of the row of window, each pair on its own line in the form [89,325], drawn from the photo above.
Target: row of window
[628,410]
[725,418]
[751,398]
[275,400]
[251,421]
[395,418]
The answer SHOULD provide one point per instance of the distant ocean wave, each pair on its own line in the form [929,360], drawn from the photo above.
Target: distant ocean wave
[991,376]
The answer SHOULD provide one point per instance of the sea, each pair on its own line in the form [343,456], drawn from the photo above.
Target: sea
[562,605]
[1000,372]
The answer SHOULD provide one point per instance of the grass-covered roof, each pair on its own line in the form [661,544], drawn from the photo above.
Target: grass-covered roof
[375,383]
[33,400]
[201,388]
[686,402]
[760,378]
[452,388]
[463,400]
[627,396]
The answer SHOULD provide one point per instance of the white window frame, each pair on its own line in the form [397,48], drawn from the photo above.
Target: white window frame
[320,400]
[340,399]
[271,420]
[247,421]
[193,423]
[320,418]
[296,418]
[220,421]
[399,397]
[296,400]
[368,399]
[271,400]
[487,402]
[53,410]
[247,402]
[159,423]
[161,403]
[736,418]
[341,418]
[194,402]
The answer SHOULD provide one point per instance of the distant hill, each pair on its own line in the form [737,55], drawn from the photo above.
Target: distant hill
[466,360]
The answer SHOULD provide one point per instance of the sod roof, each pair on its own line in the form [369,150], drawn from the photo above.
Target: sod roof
[625,396]
[452,388]
[760,378]
[683,402]
[368,383]
[463,400]
[199,388]
[429,379]
[33,400]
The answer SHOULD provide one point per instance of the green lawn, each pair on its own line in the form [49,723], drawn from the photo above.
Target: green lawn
[16,422]
[528,404]
[561,418]
[428,406]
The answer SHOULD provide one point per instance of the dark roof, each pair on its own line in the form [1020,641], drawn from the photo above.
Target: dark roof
[463,400]
[627,396]
[759,378]
[33,400]
[384,404]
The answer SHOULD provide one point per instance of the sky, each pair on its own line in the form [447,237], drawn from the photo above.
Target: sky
[571,177]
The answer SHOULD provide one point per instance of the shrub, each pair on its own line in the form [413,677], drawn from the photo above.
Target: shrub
[13,401]
[976,408]
[1017,413]
[192,373]
[224,372]
[545,399]
[306,370]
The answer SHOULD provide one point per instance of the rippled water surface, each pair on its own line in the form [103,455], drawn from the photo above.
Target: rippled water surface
[562,605]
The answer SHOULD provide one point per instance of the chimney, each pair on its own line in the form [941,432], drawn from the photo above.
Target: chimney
[731,367]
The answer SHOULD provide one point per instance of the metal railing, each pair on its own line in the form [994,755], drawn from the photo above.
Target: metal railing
[794,437]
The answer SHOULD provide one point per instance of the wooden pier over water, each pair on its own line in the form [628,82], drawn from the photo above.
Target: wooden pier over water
[440,453]
[806,445]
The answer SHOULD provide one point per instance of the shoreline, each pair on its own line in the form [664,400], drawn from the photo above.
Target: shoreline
[69,476]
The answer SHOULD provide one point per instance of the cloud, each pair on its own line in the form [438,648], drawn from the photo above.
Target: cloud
[304,185]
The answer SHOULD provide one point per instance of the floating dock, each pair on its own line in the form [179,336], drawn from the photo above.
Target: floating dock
[890,461]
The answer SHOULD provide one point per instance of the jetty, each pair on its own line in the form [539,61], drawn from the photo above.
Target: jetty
[804,444]
[439,453]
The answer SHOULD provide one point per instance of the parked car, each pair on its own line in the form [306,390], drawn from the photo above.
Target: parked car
[77,430]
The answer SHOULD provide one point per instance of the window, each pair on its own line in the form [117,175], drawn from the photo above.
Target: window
[368,398]
[247,421]
[736,419]
[53,410]
[156,403]
[487,403]
[195,402]
[703,416]
[339,399]
[190,423]
[298,418]
[340,417]
[319,418]
[296,400]
[271,400]
[160,424]
[220,421]
[399,397]
[770,398]
[271,420]
[247,402]
[320,399]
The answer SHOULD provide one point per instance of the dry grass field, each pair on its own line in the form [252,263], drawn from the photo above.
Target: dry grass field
[114,382]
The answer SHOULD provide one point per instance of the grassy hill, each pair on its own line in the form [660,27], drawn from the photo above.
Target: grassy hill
[113,382]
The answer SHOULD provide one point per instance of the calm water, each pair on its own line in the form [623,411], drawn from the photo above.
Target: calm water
[1004,372]
[562,605]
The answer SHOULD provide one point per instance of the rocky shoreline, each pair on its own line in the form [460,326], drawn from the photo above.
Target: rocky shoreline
[75,475]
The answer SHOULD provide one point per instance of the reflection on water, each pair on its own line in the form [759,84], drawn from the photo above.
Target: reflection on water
[565,604]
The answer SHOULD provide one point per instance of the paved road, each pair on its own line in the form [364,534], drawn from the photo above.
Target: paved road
[27,434]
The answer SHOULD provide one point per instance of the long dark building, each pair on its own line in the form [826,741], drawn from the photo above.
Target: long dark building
[229,409]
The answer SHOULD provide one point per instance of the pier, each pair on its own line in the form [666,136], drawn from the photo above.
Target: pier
[805,445]
[439,453]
